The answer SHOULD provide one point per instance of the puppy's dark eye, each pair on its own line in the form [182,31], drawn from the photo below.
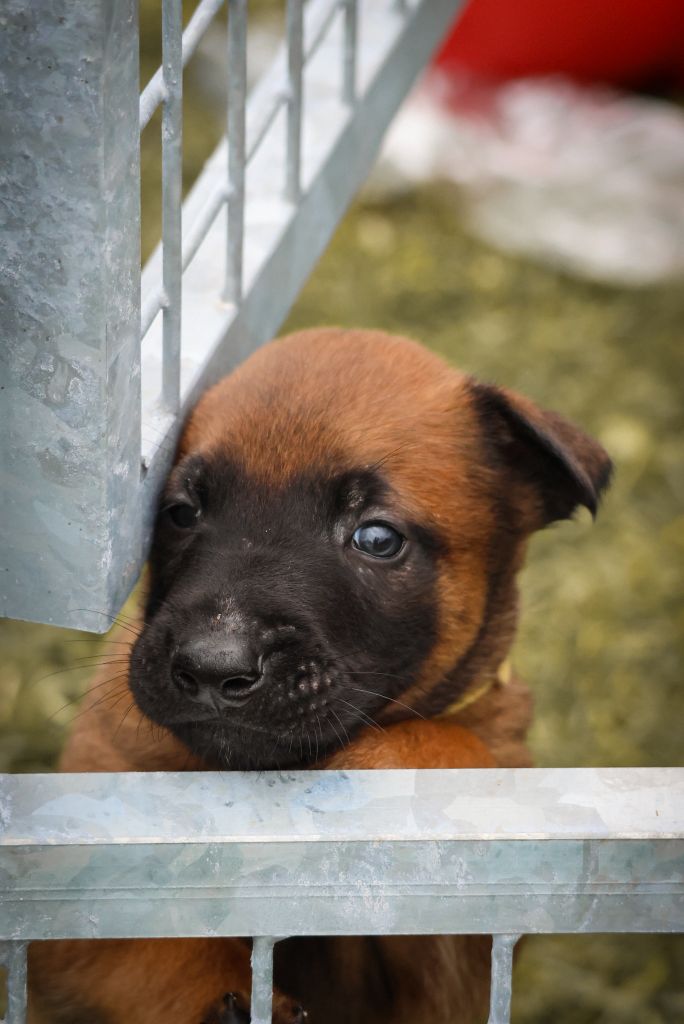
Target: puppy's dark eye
[183,516]
[378,539]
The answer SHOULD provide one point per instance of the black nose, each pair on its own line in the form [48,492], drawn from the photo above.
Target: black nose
[217,671]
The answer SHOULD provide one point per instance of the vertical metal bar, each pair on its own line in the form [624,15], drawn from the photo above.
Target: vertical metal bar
[172,195]
[71,523]
[262,980]
[502,979]
[295,65]
[351,24]
[14,958]
[153,93]
[237,92]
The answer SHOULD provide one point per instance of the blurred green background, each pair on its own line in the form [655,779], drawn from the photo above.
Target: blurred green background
[601,635]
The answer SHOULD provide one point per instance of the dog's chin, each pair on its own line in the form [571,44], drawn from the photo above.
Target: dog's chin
[275,733]
[246,746]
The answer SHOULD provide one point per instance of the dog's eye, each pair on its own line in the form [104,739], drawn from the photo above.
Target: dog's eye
[378,539]
[183,516]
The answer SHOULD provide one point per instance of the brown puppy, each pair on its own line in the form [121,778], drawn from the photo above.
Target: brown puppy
[336,546]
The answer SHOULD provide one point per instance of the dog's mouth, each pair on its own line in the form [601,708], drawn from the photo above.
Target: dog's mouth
[299,712]
[245,744]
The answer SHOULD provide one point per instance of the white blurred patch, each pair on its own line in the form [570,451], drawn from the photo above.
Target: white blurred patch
[584,177]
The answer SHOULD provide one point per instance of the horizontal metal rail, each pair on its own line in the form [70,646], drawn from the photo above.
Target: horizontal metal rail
[320,28]
[501,852]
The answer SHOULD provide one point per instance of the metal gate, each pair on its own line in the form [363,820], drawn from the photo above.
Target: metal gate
[98,367]
[500,852]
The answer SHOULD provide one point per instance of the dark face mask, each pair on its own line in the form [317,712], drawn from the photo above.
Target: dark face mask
[280,621]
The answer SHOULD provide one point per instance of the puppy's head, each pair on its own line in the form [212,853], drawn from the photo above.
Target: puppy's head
[339,538]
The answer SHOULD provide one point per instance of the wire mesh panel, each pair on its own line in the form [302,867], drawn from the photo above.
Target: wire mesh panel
[502,852]
[80,485]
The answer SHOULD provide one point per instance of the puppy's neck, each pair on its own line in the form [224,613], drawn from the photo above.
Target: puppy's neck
[482,666]
[503,677]
[491,701]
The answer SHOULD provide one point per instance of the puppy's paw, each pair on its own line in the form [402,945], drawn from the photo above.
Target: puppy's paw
[234,1009]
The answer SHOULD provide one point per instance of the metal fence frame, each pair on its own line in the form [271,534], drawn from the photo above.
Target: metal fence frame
[495,851]
[90,416]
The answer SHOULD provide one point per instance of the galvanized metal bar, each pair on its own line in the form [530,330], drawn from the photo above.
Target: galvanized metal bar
[172,197]
[154,92]
[156,301]
[342,853]
[237,95]
[262,980]
[70,530]
[295,69]
[351,15]
[502,979]
[13,958]
[198,230]
[153,304]
[540,804]
[320,26]
[259,133]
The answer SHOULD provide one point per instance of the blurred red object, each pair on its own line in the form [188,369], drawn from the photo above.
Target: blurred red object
[623,42]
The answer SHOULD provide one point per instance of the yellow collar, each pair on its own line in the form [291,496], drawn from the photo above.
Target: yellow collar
[503,677]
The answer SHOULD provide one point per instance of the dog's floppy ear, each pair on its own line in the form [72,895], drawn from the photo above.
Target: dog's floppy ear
[553,465]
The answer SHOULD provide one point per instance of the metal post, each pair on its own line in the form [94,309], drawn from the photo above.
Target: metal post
[172,196]
[262,980]
[13,956]
[351,20]
[70,529]
[237,93]
[502,979]
[295,65]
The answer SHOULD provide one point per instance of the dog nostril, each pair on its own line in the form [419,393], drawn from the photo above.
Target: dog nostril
[239,683]
[211,670]
[184,681]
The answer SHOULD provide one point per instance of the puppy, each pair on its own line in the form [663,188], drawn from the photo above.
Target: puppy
[332,583]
